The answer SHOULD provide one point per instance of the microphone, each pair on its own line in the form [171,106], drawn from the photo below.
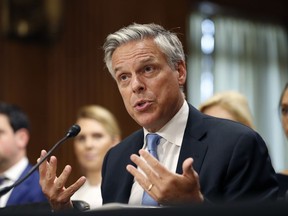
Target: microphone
[72,132]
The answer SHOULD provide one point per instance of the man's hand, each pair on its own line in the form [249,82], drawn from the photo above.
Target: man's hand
[165,187]
[54,187]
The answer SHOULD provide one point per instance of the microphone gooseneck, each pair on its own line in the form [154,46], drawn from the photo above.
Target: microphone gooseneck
[72,132]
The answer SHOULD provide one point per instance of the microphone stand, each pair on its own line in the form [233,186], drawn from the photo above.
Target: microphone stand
[73,131]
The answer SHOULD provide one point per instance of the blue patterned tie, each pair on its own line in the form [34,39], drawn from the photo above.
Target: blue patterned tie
[152,143]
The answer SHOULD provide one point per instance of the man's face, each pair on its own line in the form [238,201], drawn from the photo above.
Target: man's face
[150,88]
[8,144]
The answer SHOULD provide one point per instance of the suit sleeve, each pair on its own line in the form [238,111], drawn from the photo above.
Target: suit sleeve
[250,175]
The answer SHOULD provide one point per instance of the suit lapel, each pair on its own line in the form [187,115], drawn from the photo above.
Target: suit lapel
[192,145]
[20,191]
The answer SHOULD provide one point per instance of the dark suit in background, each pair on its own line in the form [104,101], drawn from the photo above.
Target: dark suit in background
[29,191]
[231,159]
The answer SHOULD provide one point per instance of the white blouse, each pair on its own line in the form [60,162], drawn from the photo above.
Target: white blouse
[90,194]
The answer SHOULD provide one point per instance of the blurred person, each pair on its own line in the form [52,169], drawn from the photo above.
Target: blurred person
[99,132]
[229,105]
[283,106]
[202,159]
[283,175]
[14,164]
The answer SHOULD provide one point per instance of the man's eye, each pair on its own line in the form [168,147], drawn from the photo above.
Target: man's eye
[148,69]
[123,77]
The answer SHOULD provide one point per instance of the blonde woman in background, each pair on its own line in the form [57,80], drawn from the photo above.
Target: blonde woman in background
[229,105]
[99,132]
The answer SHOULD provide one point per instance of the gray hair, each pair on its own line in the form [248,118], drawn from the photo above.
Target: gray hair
[167,41]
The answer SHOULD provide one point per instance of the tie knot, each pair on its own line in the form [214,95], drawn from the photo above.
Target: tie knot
[152,143]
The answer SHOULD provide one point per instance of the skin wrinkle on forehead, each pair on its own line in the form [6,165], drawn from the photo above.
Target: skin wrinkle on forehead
[144,60]
[143,50]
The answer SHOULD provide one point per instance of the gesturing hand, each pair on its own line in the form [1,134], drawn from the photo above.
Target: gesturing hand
[54,187]
[165,187]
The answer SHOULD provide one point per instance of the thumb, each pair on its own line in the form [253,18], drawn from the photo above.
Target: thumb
[187,168]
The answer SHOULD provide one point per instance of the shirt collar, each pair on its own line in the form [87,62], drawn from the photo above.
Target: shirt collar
[15,171]
[174,130]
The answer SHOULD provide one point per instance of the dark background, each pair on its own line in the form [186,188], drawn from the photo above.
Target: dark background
[51,73]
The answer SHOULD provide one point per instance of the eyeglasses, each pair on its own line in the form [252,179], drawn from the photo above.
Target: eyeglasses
[284,110]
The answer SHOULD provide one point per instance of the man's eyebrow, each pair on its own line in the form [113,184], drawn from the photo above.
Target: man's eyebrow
[147,59]
[116,69]
[142,61]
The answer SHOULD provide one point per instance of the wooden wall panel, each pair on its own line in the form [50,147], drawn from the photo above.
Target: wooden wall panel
[51,81]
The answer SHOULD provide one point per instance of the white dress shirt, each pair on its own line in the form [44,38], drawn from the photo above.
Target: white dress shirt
[12,175]
[168,149]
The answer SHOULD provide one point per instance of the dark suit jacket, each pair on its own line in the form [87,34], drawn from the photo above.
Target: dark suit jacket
[283,186]
[231,159]
[29,191]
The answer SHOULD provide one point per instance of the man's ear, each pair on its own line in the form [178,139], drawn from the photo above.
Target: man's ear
[22,137]
[181,68]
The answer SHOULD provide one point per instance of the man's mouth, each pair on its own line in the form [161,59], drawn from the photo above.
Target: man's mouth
[142,105]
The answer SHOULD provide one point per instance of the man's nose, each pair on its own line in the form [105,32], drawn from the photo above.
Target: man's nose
[137,84]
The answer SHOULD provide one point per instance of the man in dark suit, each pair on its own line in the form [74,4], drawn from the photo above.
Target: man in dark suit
[232,162]
[200,158]
[14,164]
[28,192]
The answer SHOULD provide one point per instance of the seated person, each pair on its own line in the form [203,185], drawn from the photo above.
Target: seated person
[230,105]
[283,175]
[14,164]
[179,156]
[99,132]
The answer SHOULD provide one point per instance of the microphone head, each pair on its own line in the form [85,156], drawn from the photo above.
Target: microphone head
[73,131]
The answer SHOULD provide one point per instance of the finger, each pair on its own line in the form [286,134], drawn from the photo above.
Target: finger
[43,166]
[62,179]
[139,176]
[152,167]
[187,166]
[42,155]
[144,166]
[152,161]
[142,180]
[74,187]
[51,170]
[190,174]
[188,170]
[63,198]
